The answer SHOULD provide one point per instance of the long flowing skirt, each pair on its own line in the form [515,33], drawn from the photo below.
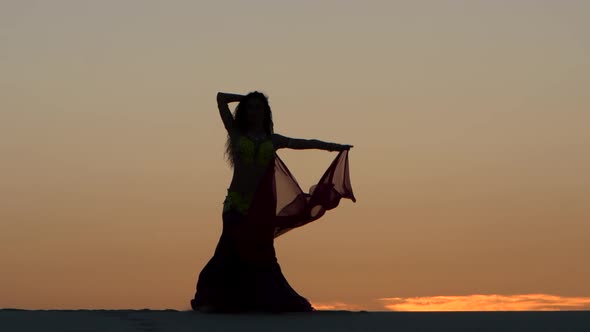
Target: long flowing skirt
[237,281]
[243,274]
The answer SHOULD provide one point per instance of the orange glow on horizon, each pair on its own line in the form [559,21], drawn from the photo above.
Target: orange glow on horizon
[492,302]
[336,306]
[475,302]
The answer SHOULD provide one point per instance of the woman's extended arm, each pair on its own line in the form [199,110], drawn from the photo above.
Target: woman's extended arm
[281,141]
[222,100]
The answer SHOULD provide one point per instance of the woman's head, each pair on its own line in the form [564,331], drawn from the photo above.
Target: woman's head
[253,112]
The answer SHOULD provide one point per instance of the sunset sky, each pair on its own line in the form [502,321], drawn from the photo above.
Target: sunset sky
[469,120]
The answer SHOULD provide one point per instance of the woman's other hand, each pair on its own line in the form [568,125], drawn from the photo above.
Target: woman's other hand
[341,147]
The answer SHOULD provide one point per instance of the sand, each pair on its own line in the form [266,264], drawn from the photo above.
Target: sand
[17,320]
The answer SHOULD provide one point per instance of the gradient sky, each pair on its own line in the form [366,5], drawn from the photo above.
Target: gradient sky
[469,121]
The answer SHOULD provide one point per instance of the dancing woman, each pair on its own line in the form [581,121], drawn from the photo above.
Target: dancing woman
[263,201]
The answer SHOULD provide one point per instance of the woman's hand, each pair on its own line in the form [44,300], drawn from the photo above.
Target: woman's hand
[340,147]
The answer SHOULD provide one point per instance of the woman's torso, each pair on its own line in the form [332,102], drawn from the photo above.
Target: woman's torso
[251,158]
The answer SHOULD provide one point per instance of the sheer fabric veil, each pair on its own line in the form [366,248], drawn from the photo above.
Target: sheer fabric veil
[281,204]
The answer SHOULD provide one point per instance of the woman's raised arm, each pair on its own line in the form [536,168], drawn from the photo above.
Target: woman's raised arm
[281,141]
[222,100]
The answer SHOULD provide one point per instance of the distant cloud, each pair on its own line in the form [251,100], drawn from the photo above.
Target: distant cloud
[335,306]
[522,302]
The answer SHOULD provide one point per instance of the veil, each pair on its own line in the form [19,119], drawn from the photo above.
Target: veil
[280,205]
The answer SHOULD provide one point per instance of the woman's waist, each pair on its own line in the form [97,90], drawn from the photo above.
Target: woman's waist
[242,189]
[244,182]
[237,200]
[239,194]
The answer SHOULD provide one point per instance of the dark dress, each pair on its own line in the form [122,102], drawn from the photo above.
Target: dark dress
[243,274]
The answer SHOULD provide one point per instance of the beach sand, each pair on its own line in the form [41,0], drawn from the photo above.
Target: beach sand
[17,320]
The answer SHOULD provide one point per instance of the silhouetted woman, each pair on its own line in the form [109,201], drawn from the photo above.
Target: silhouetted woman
[263,201]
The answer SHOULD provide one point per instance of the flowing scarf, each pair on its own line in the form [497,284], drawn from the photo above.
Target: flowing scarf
[280,205]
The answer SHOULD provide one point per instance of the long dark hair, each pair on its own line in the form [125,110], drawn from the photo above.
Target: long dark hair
[240,124]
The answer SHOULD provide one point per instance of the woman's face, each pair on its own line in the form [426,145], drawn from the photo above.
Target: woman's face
[255,109]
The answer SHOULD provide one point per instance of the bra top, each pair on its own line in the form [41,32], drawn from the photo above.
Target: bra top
[249,152]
